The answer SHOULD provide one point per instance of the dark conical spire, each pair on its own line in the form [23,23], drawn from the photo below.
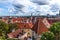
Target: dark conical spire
[59,12]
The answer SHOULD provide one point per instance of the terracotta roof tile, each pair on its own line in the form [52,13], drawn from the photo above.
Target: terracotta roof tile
[25,25]
[14,34]
[41,27]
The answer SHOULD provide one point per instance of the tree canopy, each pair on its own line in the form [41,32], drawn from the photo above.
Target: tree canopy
[6,28]
[48,36]
[54,33]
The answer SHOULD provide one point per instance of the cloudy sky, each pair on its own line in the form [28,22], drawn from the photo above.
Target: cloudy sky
[28,7]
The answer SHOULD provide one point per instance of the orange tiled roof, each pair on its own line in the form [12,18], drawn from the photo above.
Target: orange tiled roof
[14,34]
[41,27]
[29,25]
[17,19]
[25,25]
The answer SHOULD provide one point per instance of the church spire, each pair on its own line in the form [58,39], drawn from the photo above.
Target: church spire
[59,12]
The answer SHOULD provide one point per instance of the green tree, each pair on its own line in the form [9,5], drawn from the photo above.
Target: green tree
[3,28]
[6,28]
[12,26]
[47,36]
[55,28]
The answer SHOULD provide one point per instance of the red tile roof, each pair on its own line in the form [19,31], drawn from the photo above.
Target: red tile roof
[29,25]
[14,34]
[41,27]
[17,19]
[25,25]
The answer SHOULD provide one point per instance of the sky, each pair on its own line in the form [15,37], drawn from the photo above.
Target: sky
[28,7]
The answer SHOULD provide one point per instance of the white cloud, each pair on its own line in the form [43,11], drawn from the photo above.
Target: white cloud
[55,1]
[45,9]
[1,9]
[41,2]
[6,1]
[11,10]
[23,2]
[33,7]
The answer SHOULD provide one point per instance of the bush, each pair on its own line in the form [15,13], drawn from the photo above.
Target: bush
[12,39]
[48,36]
